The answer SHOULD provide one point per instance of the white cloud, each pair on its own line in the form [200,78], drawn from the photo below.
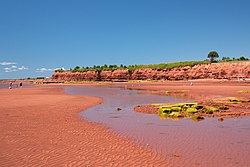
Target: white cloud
[22,68]
[59,68]
[15,68]
[44,69]
[10,69]
[7,63]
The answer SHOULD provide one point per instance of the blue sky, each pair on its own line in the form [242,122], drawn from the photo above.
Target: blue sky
[38,36]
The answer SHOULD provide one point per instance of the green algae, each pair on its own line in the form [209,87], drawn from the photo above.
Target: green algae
[179,107]
[184,110]
[198,107]
[231,100]
[224,108]
[177,111]
[177,91]
[170,118]
[244,91]
[176,114]
[191,110]
[234,100]
[157,104]
[211,110]
[165,110]
[197,118]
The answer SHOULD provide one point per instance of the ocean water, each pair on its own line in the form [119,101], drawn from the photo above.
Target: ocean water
[205,143]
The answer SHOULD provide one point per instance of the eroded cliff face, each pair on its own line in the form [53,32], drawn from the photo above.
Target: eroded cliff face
[211,71]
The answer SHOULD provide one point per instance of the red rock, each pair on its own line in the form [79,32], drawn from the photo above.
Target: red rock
[211,71]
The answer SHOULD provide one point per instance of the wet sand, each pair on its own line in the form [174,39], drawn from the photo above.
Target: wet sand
[41,127]
[200,89]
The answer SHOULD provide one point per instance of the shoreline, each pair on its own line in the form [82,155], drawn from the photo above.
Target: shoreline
[36,129]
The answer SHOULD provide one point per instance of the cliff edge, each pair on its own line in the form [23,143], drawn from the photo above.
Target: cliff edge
[227,70]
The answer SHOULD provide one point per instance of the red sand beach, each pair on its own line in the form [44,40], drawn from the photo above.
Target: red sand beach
[40,127]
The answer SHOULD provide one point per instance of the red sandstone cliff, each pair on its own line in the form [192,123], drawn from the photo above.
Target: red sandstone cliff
[213,71]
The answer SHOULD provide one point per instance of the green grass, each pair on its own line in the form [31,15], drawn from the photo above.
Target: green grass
[135,67]
[143,66]
[171,65]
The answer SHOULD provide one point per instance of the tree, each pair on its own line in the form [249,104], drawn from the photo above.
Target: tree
[242,58]
[76,68]
[212,55]
[225,58]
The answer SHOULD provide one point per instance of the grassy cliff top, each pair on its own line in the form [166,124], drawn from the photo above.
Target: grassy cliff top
[152,66]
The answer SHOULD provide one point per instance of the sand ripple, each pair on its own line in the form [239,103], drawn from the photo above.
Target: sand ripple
[40,127]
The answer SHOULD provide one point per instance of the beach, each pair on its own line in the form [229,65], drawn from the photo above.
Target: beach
[40,127]
[44,126]
[124,83]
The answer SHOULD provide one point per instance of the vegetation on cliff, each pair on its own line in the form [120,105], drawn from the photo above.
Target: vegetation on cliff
[228,59]
[106,67]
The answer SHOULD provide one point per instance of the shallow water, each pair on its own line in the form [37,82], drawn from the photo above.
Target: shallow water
[182,142]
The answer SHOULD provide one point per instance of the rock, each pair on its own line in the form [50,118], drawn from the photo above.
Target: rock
[220,119]
[197,118]
[118,109]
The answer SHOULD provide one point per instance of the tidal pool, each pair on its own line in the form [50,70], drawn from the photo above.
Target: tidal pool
[182,142]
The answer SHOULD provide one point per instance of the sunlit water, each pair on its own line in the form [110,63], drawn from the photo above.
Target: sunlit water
[205,143]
